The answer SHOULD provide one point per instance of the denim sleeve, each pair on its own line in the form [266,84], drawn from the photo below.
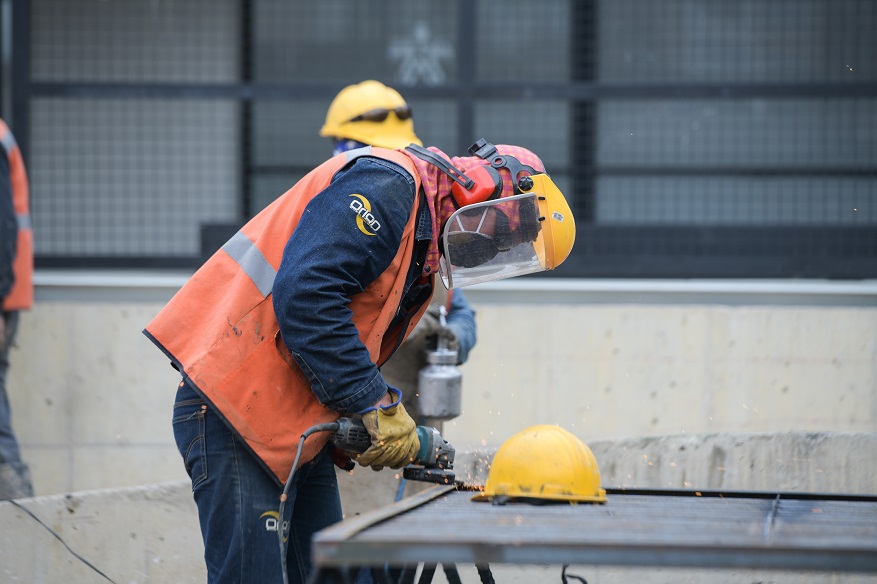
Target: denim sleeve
[461,319]
[8,228]
[348,236]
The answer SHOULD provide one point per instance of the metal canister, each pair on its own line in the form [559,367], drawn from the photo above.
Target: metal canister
[440,382]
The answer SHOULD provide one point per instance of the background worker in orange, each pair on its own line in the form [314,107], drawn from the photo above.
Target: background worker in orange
[16,290]
[286,327]
[372,114]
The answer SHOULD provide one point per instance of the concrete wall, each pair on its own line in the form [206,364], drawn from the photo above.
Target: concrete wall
[711,385]
[92,397]
[617,371]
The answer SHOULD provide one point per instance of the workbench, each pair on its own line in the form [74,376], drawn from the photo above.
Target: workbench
[441,526]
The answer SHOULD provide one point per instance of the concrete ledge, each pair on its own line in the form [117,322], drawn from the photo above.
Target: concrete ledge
[818,462]
[150,534]
[159,286]
[133,535]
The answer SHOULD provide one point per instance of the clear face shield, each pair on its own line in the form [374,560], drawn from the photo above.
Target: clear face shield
[493,240]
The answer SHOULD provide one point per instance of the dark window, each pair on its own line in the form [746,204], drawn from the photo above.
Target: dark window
[694,138]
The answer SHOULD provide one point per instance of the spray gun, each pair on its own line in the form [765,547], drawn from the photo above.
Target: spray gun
[434,462]
[440,381]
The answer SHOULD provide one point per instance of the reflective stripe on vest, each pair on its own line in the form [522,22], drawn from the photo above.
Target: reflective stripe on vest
[23,221]
[357,152]
[245,253]
[8,142]
[248,257]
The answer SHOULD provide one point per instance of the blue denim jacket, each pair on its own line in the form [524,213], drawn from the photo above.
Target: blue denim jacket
[329,258]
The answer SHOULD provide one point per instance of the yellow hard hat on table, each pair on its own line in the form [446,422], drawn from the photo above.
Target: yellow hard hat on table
[543,463]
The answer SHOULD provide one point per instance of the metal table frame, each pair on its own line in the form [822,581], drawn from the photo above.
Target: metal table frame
[662,528]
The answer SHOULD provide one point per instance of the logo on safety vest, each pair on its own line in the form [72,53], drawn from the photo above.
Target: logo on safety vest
[364,217]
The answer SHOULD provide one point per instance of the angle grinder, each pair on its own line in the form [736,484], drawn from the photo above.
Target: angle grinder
[434,462]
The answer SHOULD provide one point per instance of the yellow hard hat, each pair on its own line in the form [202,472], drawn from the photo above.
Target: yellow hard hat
[546,463]
[371,113]
[558,234]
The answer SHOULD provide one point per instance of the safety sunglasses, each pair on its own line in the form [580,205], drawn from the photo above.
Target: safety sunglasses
[403,112]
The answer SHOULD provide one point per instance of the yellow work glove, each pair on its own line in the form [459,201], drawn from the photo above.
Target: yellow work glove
[393,436]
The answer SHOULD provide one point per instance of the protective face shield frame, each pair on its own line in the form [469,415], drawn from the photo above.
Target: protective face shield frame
[492,238]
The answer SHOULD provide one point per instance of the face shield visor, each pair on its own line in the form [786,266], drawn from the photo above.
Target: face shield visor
[480,245]
[507,237]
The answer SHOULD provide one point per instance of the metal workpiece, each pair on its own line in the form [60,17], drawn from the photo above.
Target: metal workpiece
[775,531]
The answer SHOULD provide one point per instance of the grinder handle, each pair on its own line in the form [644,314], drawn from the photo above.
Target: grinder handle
[351,436]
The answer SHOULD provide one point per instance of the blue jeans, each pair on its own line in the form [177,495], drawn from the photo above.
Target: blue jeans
[238,500]
[14,474]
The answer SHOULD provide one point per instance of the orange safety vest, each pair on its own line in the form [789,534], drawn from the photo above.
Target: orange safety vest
[20,297]
[220,329]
